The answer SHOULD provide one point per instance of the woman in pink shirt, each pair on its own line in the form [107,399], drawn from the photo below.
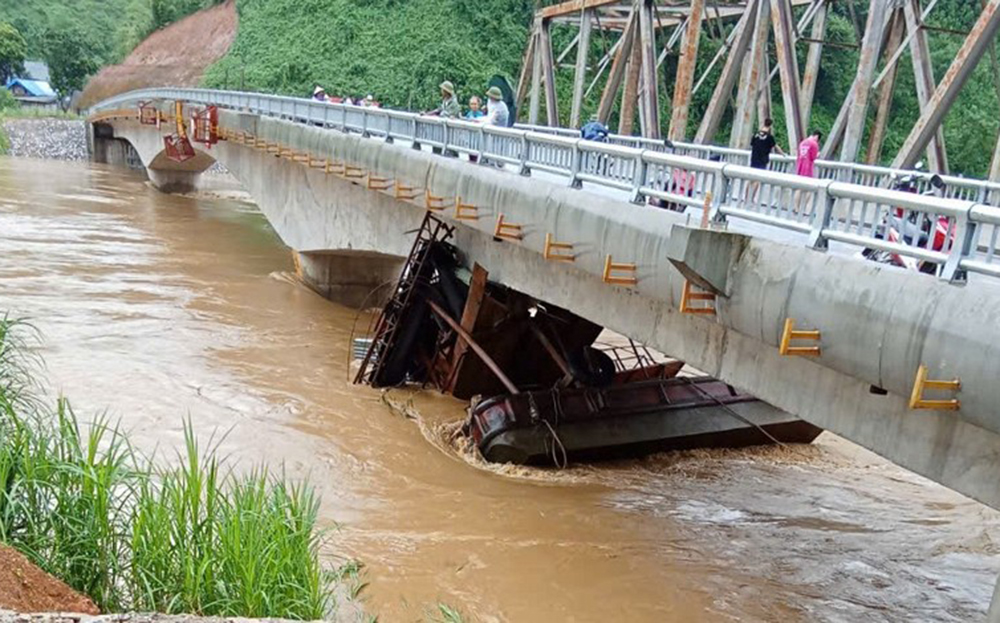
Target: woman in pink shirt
[808,152]
[805,164]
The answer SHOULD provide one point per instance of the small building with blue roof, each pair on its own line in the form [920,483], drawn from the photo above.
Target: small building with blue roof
[33,88]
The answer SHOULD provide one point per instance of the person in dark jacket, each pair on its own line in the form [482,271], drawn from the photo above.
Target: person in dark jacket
[761,146]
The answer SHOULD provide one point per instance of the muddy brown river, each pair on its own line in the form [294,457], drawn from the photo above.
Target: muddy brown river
[156,308]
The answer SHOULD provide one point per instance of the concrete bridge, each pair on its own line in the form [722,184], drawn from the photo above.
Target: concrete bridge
[344,196]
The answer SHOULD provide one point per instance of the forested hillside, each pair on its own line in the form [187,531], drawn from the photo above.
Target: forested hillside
[397,50]
[108,28]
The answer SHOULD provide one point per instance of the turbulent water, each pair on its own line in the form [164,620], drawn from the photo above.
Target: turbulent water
[157,308]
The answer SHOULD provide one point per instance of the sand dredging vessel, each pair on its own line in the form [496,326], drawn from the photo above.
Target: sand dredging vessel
[545,385]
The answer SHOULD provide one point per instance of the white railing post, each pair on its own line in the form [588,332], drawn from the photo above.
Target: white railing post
[524,169]
[574,171]
[821,218]
[963,247]
[638,179]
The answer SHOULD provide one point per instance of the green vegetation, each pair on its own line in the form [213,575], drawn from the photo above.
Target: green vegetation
[196,537]
[399,51]
[107,28]
[13,49]
[8,107]
[71,59]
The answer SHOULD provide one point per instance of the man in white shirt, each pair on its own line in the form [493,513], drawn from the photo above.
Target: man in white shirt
[496,108]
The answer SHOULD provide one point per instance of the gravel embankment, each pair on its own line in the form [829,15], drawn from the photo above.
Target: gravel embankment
[52,139]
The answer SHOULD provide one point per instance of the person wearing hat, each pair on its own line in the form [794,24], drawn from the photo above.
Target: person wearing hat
[449,108]
[496,109]
[319,94]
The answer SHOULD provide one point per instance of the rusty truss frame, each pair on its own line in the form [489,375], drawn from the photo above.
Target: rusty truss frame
[646,32]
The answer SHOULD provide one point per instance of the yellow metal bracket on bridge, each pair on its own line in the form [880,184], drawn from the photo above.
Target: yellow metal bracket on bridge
[790,334]
[921,383]
[611,267]
[379,183]
[687,296]
[510,231]
[465,211]
[433,202]
[404,192]
[553,250]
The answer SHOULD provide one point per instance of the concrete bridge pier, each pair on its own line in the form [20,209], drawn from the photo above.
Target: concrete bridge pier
[172,181]
[136,147]
[349,278]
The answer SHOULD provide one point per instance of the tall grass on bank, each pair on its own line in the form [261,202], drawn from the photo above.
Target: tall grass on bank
[132,535]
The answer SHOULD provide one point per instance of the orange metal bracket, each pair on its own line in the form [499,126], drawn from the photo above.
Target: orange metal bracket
[917,400]
[354,173]
[379,183]
[552,250]
[433,202]
[790,334]
[402,191]
[318,164]
[465,211]
[609,269]
[687,296]
[337,168]
[507,230]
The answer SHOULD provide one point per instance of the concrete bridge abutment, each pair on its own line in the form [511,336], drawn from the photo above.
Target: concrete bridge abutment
[351,279]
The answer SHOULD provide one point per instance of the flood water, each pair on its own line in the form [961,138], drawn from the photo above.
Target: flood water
[157,308]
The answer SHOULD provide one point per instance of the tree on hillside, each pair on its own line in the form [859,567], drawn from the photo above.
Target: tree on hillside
[13,49]
[71,59]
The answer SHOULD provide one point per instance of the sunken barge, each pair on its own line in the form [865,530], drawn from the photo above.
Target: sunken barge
[543,388]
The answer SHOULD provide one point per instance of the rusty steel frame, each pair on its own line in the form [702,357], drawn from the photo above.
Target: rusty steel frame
[813,58]
[923,72]
[887,89]
[788,68]
[631,57]
[580,75]
[975,45]
[630,96]
[650,95]
[685,73]
[727,80]
[870,47]
[753,69]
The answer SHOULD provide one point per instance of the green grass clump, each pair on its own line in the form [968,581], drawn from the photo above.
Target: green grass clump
[135,536]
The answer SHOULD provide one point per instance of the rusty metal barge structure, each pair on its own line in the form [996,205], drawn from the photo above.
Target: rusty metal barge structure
[542,388]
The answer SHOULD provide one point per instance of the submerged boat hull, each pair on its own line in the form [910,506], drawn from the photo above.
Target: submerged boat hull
[629,420]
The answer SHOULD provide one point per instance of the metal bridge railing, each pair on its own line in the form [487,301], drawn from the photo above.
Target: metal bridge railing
[846,204]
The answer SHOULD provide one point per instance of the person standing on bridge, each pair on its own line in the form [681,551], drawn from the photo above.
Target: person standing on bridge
[806,161]
[761,146]
[496,109]
[449,108]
